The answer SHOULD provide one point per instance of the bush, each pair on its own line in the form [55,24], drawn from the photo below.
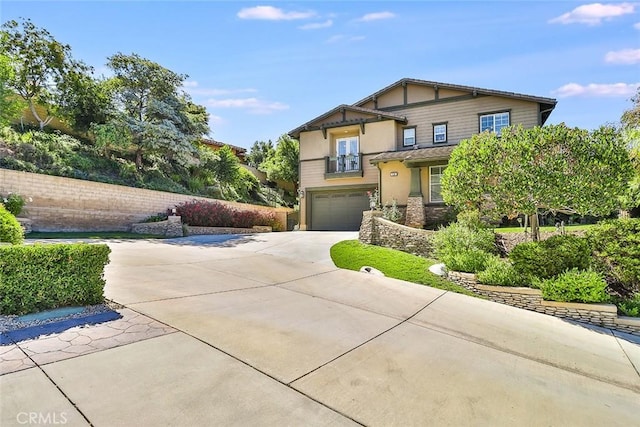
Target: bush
[40,277]
[575,286]
[629,306]
[468,261]
[500,272]
[551,257]
[616,249]
[464,248]
[10,229]
[213,214]
[13,203]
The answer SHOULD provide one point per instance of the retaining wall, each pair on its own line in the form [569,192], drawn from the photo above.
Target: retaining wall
[604,315]
[66,204]
[375,230]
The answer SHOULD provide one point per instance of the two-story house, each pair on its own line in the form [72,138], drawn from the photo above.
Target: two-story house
[397,140]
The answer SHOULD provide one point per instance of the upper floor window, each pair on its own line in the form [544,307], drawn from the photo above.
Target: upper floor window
[440,133]
[408,136]
[494,122]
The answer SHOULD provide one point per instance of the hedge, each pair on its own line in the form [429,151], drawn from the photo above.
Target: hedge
[40,277]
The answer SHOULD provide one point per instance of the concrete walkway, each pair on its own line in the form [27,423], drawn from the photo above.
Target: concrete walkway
[264,330]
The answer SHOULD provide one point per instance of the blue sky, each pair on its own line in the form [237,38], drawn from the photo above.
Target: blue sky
[263,68]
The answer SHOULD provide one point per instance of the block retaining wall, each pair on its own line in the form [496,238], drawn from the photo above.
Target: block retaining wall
[604,315]
[67,204]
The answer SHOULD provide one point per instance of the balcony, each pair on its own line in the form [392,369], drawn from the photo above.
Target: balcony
[345,166]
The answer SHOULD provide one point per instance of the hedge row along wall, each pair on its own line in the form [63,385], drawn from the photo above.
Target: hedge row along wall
[66,204]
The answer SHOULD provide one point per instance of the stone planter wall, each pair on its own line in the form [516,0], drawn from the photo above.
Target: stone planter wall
[378,231]
[604,315]
[172,227]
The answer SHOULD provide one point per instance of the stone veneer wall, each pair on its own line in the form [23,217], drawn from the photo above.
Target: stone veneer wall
[378,231]
[172,227]
[66,204]
[414,214]
[604,315]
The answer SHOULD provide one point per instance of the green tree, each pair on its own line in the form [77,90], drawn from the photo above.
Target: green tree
[84,101]
[538,170]
[40,66]
[283,163]
[11,105]
[260,151]
[226,170]
[631,130]
[159,119]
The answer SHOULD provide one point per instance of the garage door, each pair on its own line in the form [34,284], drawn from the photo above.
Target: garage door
[340,211]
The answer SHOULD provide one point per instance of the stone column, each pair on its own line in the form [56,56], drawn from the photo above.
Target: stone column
[368,233]
[174,226]
[415,203]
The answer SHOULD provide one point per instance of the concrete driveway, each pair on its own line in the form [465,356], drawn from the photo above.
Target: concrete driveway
[265,330]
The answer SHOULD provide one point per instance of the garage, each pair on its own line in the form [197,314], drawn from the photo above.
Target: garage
[338,211]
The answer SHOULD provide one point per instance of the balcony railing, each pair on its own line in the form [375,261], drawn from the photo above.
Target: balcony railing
[344,164]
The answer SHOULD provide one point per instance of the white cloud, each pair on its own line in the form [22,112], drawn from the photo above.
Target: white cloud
[594,13]
[194,89]
[596,90]
[341,37]
[317,25]
[376,16]
[636,25]
[624,56]
[253,105]
[189,84]
[270,13]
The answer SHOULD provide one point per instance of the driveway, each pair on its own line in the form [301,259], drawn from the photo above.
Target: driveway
[265,330]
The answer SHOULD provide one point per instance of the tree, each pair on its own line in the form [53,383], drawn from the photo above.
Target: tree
[260,151]
[538,170]
[11,105]
[631,131]
[226,170]
[158,118]
[40,65]
[283,163]
[84,101]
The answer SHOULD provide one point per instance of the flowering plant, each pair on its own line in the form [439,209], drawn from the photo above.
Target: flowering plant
[374,201]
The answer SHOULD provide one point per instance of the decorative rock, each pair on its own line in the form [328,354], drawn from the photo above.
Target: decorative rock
[438,269]
[371,270]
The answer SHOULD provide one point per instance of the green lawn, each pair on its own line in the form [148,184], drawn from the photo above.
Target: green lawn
[353,255]
[567,228]
[36,235]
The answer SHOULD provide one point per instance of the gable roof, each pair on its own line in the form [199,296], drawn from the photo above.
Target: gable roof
[542,100]
[376,114]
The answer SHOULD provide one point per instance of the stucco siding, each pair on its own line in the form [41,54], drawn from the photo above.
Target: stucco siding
[392,98]
[394,187]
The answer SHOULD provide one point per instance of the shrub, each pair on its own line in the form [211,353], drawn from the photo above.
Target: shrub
[10,229]
[551,257]
[468,261]
[13,203]
[500,272]
[205,214]
[616,249]
[629,306]
[156,218]
[40,277]
[575,286]
[463,248]
[213,214]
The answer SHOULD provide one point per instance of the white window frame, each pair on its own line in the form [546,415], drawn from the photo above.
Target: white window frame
[496,120]
[438,184]
[350,143]
[435,127]
[405,138]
